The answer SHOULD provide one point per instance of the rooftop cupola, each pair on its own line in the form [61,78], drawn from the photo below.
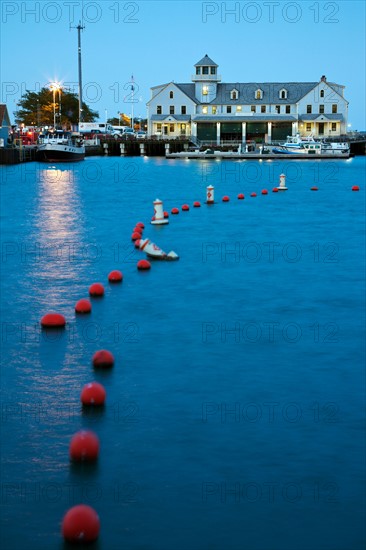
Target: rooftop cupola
[206,80]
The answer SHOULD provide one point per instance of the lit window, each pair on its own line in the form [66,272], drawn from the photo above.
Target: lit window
[214,110]
[171,128]
[205,110]
[204,90]
[258,94]
[334,108]
[308,127]
[158,127]
[238,108]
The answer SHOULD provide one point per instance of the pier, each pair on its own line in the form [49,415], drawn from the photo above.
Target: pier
[174,148]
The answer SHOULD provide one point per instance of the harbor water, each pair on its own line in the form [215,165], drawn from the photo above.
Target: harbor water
[234,416]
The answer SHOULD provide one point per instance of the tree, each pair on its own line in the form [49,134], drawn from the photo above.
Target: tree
[37,109]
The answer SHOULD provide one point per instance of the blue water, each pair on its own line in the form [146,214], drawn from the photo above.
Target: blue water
[235,410]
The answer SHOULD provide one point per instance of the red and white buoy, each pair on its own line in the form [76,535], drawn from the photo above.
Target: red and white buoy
[159,218]
[282,186]
[154,251]
[210,194]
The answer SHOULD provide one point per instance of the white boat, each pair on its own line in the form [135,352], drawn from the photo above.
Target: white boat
[308,145]
[60,146]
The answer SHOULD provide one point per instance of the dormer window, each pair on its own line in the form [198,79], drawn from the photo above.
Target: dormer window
[321,93]
[171,95]
[258,94]
[234,94]
[283,94]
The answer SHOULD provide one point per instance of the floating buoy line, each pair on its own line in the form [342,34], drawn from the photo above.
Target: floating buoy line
[81,523]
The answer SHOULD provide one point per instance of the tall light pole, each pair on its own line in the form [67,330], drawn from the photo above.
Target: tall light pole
[55,87]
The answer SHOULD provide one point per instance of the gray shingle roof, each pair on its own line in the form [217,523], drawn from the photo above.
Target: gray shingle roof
[188,89]
[207,61]
[181,118]
[331,116]
[295,91]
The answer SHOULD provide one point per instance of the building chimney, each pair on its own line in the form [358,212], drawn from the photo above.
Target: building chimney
[323,78]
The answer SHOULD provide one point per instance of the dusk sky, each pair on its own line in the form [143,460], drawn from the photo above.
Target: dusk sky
[160,41]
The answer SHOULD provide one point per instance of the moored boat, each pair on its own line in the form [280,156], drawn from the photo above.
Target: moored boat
[60,146]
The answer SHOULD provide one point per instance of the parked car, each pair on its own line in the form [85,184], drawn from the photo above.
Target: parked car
[140,135]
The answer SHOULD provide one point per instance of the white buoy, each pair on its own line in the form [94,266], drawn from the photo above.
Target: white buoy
[154,251]
[282,186]
[210,192]
[158,218]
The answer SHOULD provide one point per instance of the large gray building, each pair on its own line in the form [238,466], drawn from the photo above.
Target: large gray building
[215,111]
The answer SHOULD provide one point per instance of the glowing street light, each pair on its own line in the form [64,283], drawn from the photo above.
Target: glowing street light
[56,87]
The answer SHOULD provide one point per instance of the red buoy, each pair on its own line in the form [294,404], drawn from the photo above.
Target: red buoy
[80,524]
[225,198]
[355,188]
[103,358]
[140,224]
[115,276]
[137,243]
[96,289]
[241,196]
[143,264]
[175,210]
[53,320]
[264,192]
[275,190]
[135,236]
[84,446]
[93,394]
[138,230]
[253,194]
[196,204]
[83,306]
[166,214]
[185,207]
[314,188]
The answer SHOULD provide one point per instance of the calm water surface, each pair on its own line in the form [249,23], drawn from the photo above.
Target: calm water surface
[235,410]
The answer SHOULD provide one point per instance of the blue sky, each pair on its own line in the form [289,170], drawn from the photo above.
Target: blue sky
[160,41]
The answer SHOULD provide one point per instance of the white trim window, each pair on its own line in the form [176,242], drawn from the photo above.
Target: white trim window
[234,94]
[258,94]
[282,93]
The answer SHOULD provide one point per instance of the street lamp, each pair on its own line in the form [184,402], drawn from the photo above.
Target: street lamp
[56,87]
